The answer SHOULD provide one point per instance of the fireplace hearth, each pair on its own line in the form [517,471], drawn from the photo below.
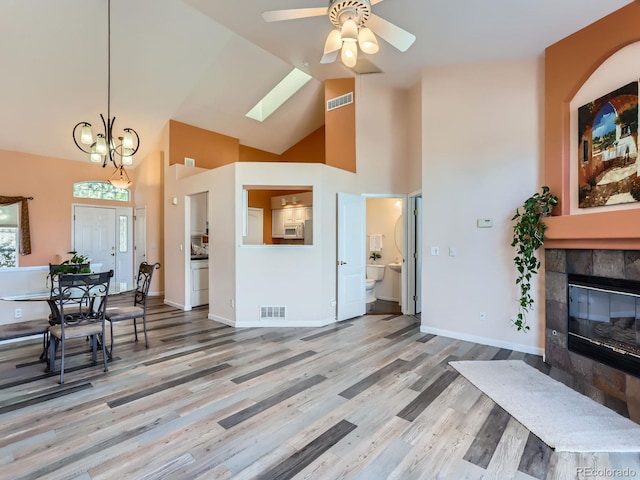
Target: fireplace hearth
[603,320]
[599,358]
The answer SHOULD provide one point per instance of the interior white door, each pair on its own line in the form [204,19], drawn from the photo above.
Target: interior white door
[94,234]
[415,249]
[140,232]
[351,256]
[255,221]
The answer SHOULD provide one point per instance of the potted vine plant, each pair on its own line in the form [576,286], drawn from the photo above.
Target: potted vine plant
[528,237]
[374,256]
[76,264]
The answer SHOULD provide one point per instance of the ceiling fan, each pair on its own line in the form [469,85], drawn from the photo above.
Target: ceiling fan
[354,24]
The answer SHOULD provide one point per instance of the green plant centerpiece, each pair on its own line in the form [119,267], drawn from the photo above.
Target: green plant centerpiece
[374,256]
[528,237]
[76,264]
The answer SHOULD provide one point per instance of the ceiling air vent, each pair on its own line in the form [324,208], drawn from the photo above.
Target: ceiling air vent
[340,101]
[273,312]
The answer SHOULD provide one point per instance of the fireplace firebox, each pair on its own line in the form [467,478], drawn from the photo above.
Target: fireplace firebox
[604,320]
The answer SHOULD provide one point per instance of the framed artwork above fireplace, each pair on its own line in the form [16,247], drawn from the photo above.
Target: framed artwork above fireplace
[608,149]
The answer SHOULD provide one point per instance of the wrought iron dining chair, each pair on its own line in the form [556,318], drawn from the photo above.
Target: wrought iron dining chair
[81,300]
[139,307]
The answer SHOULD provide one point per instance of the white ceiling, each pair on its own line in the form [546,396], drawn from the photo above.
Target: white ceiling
[207,62]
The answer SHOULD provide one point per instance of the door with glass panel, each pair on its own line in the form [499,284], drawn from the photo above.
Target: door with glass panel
[104,234]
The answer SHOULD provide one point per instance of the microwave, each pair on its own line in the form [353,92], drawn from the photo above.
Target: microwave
[294,230]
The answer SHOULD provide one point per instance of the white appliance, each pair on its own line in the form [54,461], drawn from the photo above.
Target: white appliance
[294,230]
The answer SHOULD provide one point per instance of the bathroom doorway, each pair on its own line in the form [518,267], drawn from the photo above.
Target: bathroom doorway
[385,245]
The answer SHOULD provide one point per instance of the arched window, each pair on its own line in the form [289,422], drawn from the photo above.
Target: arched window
[101,191]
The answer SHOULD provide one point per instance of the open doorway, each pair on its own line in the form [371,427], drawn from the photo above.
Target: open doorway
[385,291]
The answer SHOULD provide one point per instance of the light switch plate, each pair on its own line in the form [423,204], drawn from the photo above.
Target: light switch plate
[190,162]
[435,251]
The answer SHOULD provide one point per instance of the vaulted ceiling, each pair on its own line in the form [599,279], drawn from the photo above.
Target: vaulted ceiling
[207,62]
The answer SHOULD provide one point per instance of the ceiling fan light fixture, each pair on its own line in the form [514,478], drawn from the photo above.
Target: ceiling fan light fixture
[349,54]
[349,31]
[334,41]
[367,41]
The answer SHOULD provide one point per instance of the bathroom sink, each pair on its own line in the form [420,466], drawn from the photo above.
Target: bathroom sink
[396,267]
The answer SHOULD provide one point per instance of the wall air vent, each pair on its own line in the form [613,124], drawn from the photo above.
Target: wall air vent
[273,312]
[340,101]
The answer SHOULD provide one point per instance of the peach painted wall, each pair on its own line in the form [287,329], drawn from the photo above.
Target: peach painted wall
[148,193]
[50,181]
[482,170]
[382,142]
[310,149]
[249,154]
[568,65]
[340,125]
[209,149]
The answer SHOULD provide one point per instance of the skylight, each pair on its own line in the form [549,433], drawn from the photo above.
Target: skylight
[282,92]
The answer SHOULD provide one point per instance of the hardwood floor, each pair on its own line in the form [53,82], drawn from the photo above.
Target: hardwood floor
[369,398]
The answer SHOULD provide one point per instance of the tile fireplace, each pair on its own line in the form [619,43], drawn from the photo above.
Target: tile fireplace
[592,324]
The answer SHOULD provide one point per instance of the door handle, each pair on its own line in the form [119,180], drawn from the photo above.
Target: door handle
[340,262]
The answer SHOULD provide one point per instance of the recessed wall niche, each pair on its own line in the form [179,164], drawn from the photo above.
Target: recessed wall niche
[619,69]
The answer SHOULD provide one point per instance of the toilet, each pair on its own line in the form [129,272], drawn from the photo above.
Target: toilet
[375,273]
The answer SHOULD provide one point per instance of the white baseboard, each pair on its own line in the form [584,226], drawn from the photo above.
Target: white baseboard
[272,323]
[518,347]
[388,299]
[184,308]
[223,320]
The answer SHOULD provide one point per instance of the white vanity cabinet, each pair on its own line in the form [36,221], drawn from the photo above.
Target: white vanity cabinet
[199,282]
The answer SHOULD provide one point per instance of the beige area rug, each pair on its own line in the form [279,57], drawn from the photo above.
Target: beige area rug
[561,417]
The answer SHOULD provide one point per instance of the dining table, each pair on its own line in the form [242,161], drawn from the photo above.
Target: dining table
[116,288]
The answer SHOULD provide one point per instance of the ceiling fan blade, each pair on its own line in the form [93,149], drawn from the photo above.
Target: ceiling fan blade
[294,13]
[330,57]
[396,36]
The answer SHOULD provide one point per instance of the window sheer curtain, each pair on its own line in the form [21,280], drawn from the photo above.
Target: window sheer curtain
[24,246]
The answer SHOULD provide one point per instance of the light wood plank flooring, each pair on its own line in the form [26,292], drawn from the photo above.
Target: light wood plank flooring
[369,398]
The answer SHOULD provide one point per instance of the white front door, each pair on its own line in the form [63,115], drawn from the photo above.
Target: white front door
[104,235]
[351,256]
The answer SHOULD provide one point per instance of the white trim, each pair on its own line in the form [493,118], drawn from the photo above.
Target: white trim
[35,336]
[482,340]
[276,323]
[177,305]
[24,269]
[223,320]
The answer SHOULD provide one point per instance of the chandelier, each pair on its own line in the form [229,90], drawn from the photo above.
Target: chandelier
[106,147]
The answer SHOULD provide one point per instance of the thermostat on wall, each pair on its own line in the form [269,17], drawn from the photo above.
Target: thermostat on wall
[190,162]
[485,223]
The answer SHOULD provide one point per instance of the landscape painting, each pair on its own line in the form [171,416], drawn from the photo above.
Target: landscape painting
[608,149]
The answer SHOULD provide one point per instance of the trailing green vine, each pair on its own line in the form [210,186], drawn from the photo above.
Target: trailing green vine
[528,237]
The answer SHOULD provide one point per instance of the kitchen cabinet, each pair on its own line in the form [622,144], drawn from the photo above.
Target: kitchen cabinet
[282,216]
[199,282]
[199,214]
